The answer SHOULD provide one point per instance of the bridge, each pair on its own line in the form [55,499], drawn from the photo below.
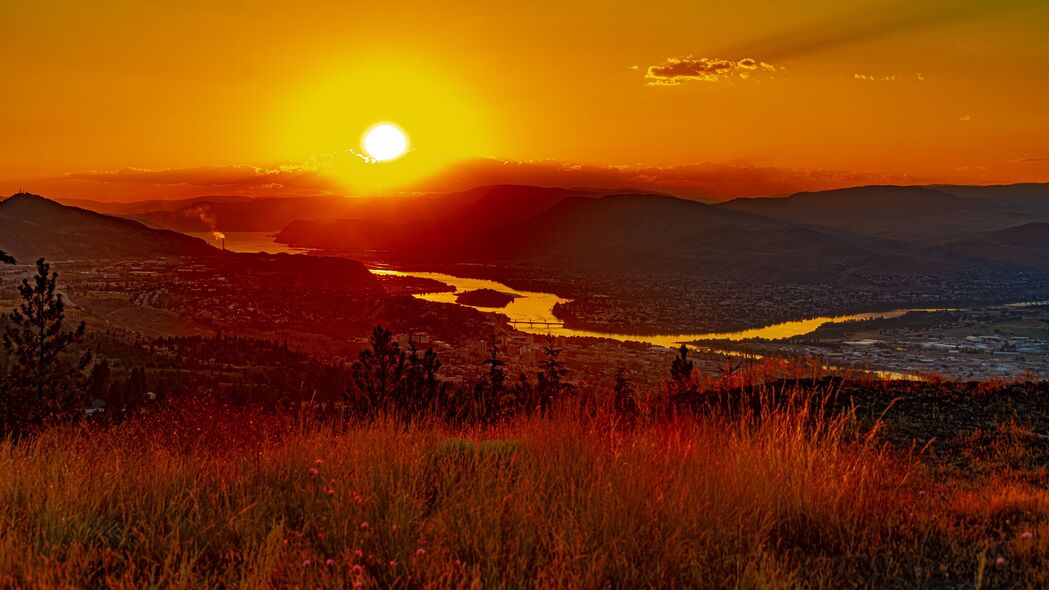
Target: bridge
[537,323]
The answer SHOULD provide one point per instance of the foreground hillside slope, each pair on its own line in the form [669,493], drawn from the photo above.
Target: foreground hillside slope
[32,226]
[782,493]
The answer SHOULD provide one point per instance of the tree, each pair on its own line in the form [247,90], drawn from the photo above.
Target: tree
[6,259]
[623,391]
[551,375]
[98,383]
[378,371]
[491,400]
[42,384]
[682,371]
[420,389]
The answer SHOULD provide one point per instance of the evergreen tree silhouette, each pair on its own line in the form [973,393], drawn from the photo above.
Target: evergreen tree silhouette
[681,371]
[42,384]
[98,383]
[623,391]
[551,375]
[420,390]
[7,259]
[378,371]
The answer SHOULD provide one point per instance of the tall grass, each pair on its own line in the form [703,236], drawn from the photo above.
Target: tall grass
[780,498]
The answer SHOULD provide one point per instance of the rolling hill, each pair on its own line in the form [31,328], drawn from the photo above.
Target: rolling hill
[32,226]
[908,213]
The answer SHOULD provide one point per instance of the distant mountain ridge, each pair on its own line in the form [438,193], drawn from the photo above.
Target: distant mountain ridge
[826,236]
[906,213]
[32,226]
[818,237]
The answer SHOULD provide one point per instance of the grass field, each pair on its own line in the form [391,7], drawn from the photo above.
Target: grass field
[780,498]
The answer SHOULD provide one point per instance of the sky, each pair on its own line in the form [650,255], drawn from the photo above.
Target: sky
[121,100]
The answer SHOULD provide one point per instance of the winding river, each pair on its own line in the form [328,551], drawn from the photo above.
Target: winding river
[533,306]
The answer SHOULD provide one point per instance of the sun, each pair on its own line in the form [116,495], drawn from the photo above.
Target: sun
[385,141]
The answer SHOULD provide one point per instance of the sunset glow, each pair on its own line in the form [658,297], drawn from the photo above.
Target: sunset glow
[385,142]
[709,100]
[552,294]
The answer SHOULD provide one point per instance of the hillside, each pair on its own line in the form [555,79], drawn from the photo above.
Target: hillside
[907,213]
[474,207]
[32,226]
[1024,246]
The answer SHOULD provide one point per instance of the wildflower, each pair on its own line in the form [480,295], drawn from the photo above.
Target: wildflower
[285,542]
[357,568]
[329,562]
[393,563]
[358,584]
[306,563]
[359,553]
[313,472]
[331,492]
[1026,535]
[318,461]
[364,525]
[395,527]
[420,552]
[1000,560]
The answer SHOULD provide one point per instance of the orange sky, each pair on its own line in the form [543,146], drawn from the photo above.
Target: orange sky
[125,100]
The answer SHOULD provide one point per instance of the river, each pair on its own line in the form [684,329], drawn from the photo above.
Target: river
[533,306]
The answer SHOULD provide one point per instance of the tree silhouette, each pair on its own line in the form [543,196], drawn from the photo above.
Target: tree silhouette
[682,370]
[623,391]
[42,384]
[378,371]
[550,379]
[98,383]
[420,388]
[7,259]
[491,400]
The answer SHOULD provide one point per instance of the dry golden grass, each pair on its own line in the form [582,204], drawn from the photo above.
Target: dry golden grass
[783,499]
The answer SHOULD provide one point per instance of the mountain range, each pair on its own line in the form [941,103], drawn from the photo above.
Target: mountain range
[32,226]
[828,236]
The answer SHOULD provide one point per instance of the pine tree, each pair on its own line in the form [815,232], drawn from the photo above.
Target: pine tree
[6,259]
[623,391]
[420,389]
[681,371]
[42,384]
[551,384]
[378,371]
[491,401]
[98,384]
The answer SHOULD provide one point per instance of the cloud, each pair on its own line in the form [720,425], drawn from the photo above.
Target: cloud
[874,78]
[707,180]
[211,176]
[965,118]
[676,70]
[878,23]
[1033,160]
[704,180]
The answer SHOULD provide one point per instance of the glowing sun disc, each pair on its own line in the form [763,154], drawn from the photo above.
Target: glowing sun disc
[385,142]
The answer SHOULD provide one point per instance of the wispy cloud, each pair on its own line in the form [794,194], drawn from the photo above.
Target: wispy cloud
[884,21]
[676,70]
[701,180]
[874,78]
[709,180]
